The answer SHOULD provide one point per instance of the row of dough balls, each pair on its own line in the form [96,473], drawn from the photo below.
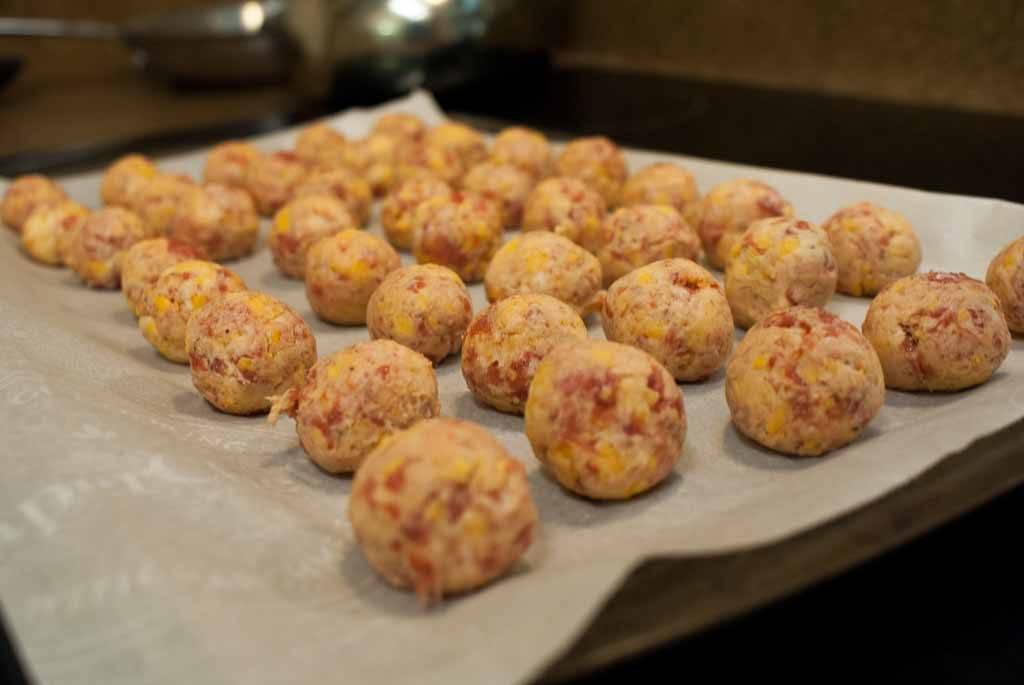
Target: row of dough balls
[215,221]
[464,230]
[607,420]
[776,263]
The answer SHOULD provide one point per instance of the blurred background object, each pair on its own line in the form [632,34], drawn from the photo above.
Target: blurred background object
[241,44]
[509,58]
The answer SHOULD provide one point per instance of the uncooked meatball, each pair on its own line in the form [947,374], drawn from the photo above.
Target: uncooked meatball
[342,271]
[640,234]
[568,207]
[442,509]
[229,163]
[352,190]
[873,247]
[181,290]
[378,156]
[425,307]
[220,219]
[776,264]
[272,180]
[507,185]
[1006,279]
[661,183]
[546,263]
[98,245]
[144,262]
[606,420]
[160,200]
[461,231]
[525,148]
[399,207]
[728,210]
[245,348]
[506,341]
[124,180]
[598,162]
[675,311]
[803,382]
[466,143]
[937,331]
[302,222]
[47,234]
[443,162]
[24,195]
[356,398]
[321,145]
[400,125]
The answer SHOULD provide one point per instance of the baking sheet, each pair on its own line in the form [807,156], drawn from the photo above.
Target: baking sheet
[146,538]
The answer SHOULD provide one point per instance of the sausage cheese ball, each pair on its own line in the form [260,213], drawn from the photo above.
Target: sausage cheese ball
[272,180]
[606,420]
[937,331]
[467,144]
[321,145]
[546,263]
[443,162]
[1006,279]
[302,222]
[124,180]
[49,230]
[144,262]
[661,183]
[506,341]
[399,207]
[640,234]
[245,348]
[442,508]
[776,264]
[179,292]
[401,126]
[342,184]
[803,382]
[98,245]
[357,397]
[507,185]
[568,207]
[425,307]
[675,311]
[873,247]
[342,271]
[728,210]
[598,162]
[24,196]
[229,163]
[160,200]
[67,230]
[378,156]
[220,219]
[461,231]
[525,148]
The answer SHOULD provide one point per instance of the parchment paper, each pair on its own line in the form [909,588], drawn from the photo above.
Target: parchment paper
[146,538]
